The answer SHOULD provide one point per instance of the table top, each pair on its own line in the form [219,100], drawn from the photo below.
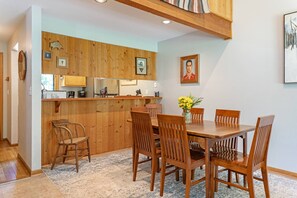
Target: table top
[213,130]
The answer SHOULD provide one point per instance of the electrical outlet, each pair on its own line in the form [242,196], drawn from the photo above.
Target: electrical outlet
[155,84]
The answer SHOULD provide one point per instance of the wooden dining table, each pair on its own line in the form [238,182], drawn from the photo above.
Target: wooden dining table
[207,133]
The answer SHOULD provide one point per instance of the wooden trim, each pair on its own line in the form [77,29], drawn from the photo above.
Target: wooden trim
[283,172]
[7,140]
[35,172]
[210,23]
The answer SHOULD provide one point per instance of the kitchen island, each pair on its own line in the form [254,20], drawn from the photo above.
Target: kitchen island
[105,120]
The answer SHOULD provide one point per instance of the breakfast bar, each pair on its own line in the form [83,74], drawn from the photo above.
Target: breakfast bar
[105,120]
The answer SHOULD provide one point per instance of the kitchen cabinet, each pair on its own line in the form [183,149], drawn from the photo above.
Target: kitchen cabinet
[74,81]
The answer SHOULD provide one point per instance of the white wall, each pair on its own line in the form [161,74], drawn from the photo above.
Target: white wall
[74,29]
[3,49]
[28,35]
[245,73]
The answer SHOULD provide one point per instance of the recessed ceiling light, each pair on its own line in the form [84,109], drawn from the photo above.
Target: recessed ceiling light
[100,1]
[166,21]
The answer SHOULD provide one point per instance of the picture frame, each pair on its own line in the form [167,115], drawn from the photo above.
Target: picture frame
[128,82]
[290,48]
[189,69]
[140,66]
[47,55]
[62,62]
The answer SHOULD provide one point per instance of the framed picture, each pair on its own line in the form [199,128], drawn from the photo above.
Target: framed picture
[189,69]
[47,55]
[140,66]
[290,44]
[62,62]
[128,82]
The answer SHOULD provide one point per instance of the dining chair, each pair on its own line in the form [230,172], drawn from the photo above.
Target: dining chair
[144,143]
[69,134]
[154,109]
[175,149]
[197,114]
[247,164]
[225,116]
[139,109]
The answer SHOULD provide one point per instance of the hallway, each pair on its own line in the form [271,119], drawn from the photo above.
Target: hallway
[11,168]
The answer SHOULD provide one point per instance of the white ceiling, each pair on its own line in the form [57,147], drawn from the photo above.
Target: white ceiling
[112,15]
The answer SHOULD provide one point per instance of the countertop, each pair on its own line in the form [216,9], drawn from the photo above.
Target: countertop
[99,98]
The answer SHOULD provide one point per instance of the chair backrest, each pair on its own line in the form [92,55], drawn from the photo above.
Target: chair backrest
[174,140]
[261,139]
[139,109]
[197,114]
[225,116]
[61,129]
[154,109]
[142,132]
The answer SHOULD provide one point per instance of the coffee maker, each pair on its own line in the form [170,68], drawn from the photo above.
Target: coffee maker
[70,94]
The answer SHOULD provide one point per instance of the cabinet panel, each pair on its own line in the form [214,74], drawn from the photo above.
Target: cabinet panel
[74,81]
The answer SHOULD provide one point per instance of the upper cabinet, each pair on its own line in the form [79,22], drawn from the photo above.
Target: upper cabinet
[65,55]
[74,81]
[218,22]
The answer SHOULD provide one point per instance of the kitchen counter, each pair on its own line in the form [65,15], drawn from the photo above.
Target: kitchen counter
[100,98]
[105,120]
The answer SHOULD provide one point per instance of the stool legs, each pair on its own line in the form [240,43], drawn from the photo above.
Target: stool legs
[76,158]
[89,153]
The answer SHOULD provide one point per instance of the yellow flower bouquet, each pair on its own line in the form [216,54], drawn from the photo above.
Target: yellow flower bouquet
[187,102]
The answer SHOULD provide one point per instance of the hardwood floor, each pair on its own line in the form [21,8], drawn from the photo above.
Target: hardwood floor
[11,168]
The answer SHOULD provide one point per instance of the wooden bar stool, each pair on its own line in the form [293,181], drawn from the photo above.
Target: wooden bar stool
[70,135]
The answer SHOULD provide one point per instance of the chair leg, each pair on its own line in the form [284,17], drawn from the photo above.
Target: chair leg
[177,175]
[76,158]
[237,177]
[188,183]
[57,152]
[193,174]
[184,176]
[158,165]
[216,176]
[163,169]
[229,177]
[65,154]
[250,185]
[201,167]
[135,164]
[89,153]
[244,180]
[154,167]
[265,181]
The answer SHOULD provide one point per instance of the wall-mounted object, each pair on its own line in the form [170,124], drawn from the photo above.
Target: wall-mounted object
[22,65]
[55,45]
[7,78]
[62,62]
[140,66]
[47,55]
[189,69]
[128,82]
[290,34]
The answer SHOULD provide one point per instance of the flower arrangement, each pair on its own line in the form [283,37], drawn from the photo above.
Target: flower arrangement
[187,102]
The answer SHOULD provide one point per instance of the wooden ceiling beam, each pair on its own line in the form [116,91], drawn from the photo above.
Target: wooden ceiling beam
[210,23]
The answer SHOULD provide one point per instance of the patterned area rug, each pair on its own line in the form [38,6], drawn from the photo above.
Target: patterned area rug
[111,176]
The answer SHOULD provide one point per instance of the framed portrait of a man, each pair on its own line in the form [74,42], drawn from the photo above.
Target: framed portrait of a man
[189,69]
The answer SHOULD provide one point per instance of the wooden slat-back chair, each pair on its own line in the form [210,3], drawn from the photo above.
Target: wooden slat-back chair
[154,109]
[139,109]
[225,116]
[197,114]
[144,143]
[175,149]
[247,164]
[70,134]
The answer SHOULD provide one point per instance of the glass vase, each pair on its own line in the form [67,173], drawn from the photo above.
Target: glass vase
[188,116]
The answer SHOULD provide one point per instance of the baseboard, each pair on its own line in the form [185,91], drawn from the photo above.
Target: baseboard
[5,139]
[35,172]
[283,172]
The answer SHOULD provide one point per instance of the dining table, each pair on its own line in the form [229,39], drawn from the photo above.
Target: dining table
[207,133]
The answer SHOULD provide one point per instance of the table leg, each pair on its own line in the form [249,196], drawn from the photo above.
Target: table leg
[208,144]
